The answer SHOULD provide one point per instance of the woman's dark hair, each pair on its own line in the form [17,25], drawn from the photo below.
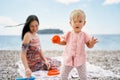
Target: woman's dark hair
[26,27]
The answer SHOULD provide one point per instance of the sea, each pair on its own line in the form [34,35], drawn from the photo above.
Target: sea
[105,42]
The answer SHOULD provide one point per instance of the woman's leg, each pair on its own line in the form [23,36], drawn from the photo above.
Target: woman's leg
[82,72]
[65,72]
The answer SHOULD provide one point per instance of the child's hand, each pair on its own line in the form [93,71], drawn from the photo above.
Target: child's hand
[56,39]
[28,73]
[93,41]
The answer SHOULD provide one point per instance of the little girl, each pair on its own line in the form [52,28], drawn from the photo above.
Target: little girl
[75,41]
[32,56]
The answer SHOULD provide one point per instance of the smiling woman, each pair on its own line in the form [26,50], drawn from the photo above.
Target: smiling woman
[32,56]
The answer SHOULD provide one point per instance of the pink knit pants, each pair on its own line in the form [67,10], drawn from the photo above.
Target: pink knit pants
[81,72]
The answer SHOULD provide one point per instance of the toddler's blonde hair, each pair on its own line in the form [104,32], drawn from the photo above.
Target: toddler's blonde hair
[76,13]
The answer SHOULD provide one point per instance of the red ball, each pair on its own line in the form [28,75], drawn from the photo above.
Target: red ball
[56,39]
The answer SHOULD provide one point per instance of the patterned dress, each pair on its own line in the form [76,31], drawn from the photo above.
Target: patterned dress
[34,60]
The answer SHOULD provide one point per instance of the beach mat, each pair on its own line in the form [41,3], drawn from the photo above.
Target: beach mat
[92,71]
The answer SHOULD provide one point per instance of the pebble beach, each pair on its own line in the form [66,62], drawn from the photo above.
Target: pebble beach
[108,60]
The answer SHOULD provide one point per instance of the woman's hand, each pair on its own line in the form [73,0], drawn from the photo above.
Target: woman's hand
[28,72]
[48,65]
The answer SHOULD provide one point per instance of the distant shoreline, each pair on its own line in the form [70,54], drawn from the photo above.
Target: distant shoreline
[50,31]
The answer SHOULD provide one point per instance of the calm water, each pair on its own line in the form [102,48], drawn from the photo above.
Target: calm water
[106,42]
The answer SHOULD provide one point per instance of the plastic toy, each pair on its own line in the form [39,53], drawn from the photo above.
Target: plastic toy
[53,72]
[31,78]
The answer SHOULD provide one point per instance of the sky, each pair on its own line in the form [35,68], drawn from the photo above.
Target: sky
[102,16]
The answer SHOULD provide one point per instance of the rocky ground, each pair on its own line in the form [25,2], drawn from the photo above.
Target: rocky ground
[108,60]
